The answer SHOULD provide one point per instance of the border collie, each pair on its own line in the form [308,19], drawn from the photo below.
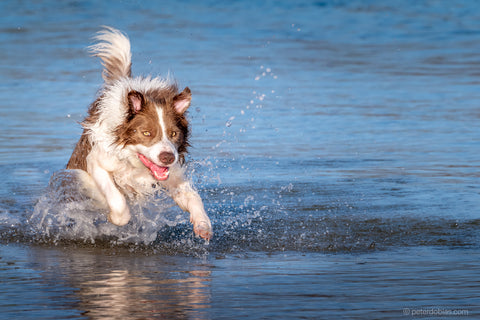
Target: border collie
[135,136]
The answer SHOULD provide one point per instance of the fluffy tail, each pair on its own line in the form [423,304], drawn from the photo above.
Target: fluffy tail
[113,48]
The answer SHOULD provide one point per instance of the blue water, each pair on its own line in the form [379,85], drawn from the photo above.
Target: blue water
[335,144]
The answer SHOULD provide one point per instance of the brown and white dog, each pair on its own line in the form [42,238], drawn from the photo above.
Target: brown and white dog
[135,136]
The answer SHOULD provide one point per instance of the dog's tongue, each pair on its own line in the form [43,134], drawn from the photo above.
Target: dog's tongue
[159,173]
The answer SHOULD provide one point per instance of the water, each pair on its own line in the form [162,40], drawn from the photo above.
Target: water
[335,145]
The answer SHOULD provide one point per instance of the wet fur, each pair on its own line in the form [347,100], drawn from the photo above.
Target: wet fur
[133,117]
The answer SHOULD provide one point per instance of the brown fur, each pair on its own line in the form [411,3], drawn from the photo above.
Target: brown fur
[136,126]
[78,160]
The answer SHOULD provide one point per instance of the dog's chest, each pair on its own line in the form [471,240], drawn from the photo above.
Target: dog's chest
[132,179]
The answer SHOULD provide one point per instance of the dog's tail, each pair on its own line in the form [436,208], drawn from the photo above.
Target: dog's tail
[113,48]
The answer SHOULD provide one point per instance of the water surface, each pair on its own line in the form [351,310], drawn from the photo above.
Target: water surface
[335,144]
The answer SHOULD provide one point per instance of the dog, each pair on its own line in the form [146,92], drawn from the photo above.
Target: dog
[134,136]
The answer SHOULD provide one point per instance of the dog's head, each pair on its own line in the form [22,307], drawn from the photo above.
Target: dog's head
[155,128]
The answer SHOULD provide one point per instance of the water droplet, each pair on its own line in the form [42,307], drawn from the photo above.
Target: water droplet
[229,121]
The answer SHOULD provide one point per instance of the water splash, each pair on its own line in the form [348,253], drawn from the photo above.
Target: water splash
[66,212]
[248,215]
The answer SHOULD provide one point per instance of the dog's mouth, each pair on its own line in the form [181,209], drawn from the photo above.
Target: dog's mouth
[159,173]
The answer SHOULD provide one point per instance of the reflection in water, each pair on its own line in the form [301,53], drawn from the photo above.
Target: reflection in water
[122,295]
[133,286]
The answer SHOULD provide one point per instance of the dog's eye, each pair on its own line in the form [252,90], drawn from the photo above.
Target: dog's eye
[173,134]
[147,133]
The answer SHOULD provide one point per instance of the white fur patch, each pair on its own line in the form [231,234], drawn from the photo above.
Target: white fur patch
[113,45]
[166,144]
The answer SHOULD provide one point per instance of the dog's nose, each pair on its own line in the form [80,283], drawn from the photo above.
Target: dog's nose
[166,157]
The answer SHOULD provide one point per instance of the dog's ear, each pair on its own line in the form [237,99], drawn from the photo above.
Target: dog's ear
[135,101]
[181,102]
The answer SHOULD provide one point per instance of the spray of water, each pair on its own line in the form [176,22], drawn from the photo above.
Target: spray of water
[68,212]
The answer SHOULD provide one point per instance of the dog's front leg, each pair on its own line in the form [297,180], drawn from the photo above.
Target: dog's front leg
[189,200]
[119,212]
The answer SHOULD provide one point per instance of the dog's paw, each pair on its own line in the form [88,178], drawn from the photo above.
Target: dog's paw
[203,230]
[119,219]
